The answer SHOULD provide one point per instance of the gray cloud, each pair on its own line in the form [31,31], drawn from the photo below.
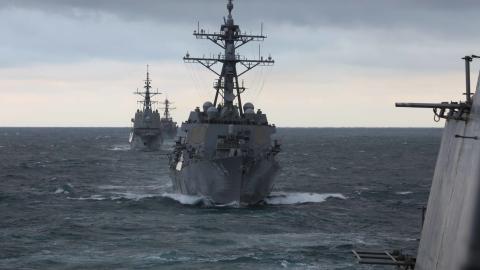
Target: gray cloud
[369,33]
[347,13]
[328,50]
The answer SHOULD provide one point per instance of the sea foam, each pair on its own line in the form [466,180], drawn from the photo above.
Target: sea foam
[186,199]
[120,147]
[275,198]
[281,198]
[403,192]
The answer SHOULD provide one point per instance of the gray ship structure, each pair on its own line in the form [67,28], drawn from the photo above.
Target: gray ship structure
[225,150]
[450,238]
[146,131]
[168,126]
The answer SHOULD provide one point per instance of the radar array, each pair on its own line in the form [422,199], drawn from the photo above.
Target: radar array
[230,38]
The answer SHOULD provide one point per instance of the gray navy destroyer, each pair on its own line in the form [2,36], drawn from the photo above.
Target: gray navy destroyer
[168,126]
[225,151]
[146,131]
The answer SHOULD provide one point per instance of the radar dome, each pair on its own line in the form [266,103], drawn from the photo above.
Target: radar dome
[212,112]
[249,111]
[247,106]
[207,105]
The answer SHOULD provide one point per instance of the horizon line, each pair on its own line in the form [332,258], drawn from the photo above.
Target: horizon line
[179,127]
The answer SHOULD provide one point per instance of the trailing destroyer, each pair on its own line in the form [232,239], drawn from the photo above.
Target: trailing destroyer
[225,151]
[168,126]
[146,130]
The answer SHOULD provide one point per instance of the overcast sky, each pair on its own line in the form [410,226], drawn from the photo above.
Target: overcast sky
[338,63]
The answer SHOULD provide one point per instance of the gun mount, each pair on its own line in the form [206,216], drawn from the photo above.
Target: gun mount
[450,110]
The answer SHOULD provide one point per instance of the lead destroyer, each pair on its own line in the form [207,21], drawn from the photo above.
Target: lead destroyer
[225,151]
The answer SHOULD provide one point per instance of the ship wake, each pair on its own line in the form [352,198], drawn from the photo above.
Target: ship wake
[288,198]
[275,198]
[189,199]
[120,147]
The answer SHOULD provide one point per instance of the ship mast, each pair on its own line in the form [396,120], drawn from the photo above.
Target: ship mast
[147,94]
[167,108]
[230,38]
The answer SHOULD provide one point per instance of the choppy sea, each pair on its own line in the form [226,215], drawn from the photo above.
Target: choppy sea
[78,198]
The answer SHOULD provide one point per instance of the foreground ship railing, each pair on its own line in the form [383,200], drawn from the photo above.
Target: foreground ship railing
[455,111]
[394,258]
[450,110]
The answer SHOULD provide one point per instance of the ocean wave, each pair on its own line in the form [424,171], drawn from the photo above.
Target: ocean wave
[131,196]
[60,190]
[116,196]
[151,188]
[65,189]
[282,198]
[108,187]
[188,199]
[403,192]
[120,147]
[181,198]
[91,198]
[275,198]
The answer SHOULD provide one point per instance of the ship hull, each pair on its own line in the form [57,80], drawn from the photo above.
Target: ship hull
[226,180]
[169,134]
[146,142]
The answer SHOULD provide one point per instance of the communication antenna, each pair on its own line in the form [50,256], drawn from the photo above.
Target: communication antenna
[230,38]
[450,110]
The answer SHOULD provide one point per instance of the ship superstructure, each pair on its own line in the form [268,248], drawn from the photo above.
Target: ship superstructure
[450,235]
[168,126]
[146,130]
[225,150]
[450,238]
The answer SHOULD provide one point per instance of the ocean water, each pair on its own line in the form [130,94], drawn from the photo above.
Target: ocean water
[78,198]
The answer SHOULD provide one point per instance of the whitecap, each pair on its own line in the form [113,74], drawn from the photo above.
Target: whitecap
[403,192]
[114,196]
[234,204]
[61,191]
[279,198]
[181,198]
[110,187]
[131,196]
[187,199]
[91,198]
[64,189]
[120,147]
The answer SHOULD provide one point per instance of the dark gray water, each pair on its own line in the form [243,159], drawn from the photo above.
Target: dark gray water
[79,199]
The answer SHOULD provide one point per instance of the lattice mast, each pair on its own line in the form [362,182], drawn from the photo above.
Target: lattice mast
[147,94]
[167,108]
[230,38]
